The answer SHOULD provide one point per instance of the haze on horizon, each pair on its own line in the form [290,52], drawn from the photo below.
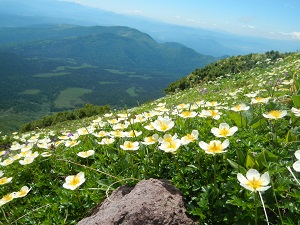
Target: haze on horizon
[274,19]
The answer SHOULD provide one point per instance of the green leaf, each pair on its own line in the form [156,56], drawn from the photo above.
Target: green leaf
[236,166]
[296,100]
[290,137]
[258,122]
[250,161]
[238,119]
[264,157]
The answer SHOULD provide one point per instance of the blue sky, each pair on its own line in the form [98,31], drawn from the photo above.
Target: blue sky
[278,19]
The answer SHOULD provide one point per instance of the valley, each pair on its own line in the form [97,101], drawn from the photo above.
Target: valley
[61,68]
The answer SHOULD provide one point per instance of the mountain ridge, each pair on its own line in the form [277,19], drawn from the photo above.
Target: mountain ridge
[204,41]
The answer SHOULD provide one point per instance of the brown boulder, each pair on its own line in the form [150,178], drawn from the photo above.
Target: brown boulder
[150,202]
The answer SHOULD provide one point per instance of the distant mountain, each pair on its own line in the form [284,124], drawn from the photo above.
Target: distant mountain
[118,47]
[16,13]
[45,69]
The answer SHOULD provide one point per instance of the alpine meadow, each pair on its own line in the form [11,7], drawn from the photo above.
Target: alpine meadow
[230,143]
[97,97]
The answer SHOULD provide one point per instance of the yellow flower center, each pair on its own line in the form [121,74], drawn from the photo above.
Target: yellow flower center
[186,113]
[75,181]
[214,113]
[223,131]
[129,145]
[238,107]
[254,183]
[8,197]
[3,180]
[189,137]
[215,148]
[275,113]
[259,99]
[22,192]
[172,145]
[163,126]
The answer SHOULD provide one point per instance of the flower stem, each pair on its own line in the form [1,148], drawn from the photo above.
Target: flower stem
[132,168]
[215,173]
[255,203]
[262,202]
[179,171]
[289,168]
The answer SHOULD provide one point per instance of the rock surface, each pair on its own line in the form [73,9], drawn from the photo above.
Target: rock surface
[150,202]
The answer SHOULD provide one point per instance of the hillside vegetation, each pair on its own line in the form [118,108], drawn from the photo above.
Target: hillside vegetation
[231,145]
[224,67]
[52,68]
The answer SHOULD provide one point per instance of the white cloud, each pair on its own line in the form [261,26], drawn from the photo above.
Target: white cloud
[248,27]
[134,11]
[294,35]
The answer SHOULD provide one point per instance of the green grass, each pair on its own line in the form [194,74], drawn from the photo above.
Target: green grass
[31,92]
[114,71]
[144,77]
[70,97]
[83,66]
[131,92]
[54,74]
[106,82]
[208,182]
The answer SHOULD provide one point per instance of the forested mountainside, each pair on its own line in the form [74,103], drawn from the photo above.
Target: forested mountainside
[50,68]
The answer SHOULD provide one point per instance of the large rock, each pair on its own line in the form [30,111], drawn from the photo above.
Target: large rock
[150,202]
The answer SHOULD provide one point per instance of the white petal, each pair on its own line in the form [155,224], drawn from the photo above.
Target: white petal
[263,188]
[242,179]
[223,125]
[265,178]
[296,166]
[247,187]
[215,131]
[252,173]
[225,143]
[203,145]
[233,129]
[297,154]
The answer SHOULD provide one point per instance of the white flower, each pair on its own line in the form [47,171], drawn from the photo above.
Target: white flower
[193,136]
[296,164]
[26,160]
[240,107]
[86,153]
[224,130]
[169,143]
[187,114]
[150,140]
[22,193]
[129,145]
[215,114]
[5,180]
[214,146]
[74,181]
[71,143]
[259,100]
[254,181]
[275,114]
[106,141]
[296,111]
[163,124]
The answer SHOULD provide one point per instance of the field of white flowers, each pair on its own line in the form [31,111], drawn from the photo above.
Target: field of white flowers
[233,151]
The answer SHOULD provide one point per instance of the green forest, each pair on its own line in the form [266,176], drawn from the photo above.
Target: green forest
[49,69]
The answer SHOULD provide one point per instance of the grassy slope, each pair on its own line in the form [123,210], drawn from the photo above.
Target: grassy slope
[208,182]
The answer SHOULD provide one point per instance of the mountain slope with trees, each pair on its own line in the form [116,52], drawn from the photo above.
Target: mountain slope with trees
[51,68]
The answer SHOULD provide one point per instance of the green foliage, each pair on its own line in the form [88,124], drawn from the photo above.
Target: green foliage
[77,58]
[224,67]
[87,111]
[208,182]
